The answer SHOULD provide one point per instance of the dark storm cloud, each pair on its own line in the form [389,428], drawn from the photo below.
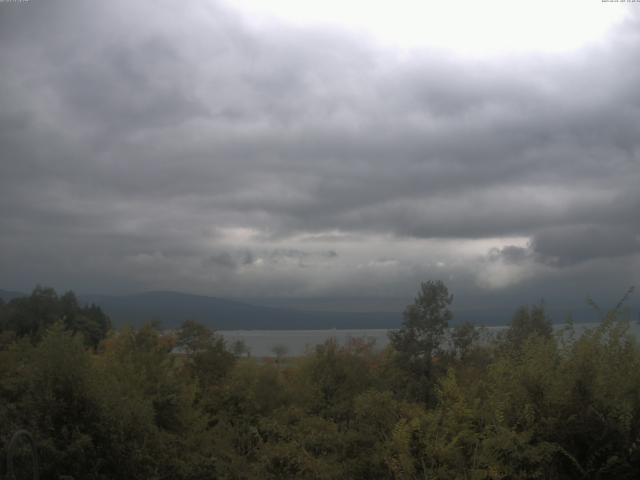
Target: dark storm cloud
[132,134]
[569,245]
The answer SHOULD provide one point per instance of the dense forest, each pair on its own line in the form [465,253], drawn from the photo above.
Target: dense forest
[438,403]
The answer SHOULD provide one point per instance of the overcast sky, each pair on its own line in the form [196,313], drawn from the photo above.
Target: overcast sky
[250,150]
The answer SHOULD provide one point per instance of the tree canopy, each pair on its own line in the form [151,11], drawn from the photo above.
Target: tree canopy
[152,404]
[32,315]
[422,333]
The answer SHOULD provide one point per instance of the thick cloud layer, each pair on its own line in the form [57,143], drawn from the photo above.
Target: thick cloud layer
[158,145]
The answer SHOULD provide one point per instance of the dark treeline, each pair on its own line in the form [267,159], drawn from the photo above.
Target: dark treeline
[438,403]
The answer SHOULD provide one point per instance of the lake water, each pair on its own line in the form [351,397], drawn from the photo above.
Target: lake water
[297,342]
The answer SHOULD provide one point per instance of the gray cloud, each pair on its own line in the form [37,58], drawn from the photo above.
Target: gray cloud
[223,260]
[573,244]
[511,254]
[131,141]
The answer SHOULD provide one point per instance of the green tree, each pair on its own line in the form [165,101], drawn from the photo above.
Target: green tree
[421,335]
[327,381]
[240,348]
[440,443]
[90,321]
[463,337]
[280,351]
[152,426]
[206,355]
[31,316]
[527,322]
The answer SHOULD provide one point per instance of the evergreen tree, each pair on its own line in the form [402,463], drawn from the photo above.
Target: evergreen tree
[421,336]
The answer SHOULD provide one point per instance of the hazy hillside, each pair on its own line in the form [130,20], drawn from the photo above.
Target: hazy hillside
[7,295]
[171,308]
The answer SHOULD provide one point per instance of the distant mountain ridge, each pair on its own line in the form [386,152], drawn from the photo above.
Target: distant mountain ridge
[7,295]
[172,308]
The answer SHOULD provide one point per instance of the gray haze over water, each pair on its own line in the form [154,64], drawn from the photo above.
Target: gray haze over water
[297,342]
